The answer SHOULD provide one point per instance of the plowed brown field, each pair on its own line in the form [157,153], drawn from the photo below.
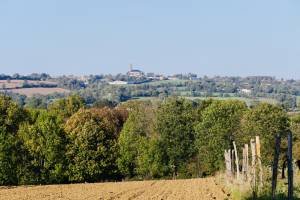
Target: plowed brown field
[202,189]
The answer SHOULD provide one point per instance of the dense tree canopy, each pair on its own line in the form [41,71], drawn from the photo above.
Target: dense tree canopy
[295,127]
[92,149]
[218,127]
[65,108]
[44,147]
[11,115]
[136,131]
[174,137]
[265,120]
[174,124]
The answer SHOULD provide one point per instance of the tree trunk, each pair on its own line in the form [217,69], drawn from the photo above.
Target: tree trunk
[283,169]
[236,162]
[290,167]
[253,166]
[275,165]
[227,155]
[247,161]
[258,153]
[244,165]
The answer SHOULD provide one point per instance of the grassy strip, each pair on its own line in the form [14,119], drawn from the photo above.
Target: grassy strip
[239,190]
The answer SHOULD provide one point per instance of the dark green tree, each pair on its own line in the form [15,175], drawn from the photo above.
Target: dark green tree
[265,120]
[43,145]
[92,149]
[219,125]
[295,127]
[175,119]
[66,107]
[136,131]
[11,115]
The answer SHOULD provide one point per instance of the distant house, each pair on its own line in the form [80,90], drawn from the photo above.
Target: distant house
[246,91]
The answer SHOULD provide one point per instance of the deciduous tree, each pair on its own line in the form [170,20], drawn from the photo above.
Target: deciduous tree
[92,149]
[218,127]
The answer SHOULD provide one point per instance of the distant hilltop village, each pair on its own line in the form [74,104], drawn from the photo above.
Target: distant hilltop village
[136,76]
[136,84]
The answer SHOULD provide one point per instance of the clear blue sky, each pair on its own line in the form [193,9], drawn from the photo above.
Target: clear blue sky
[207,37]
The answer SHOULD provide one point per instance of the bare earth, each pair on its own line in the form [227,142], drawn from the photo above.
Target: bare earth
[202,189]
[15,86]
[18,83]
[42,91]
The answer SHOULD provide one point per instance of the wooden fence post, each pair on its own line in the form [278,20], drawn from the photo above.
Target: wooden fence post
[227,155]
[275,165]
[244,164]
[258,154]
[290,166]
[247,161]
[232,161]
[253,166]
[236,161]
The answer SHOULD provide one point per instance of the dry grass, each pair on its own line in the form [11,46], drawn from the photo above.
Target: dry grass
[243,190]
[204,189]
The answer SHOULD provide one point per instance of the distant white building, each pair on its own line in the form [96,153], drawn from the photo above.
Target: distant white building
[118,83]
[246,91]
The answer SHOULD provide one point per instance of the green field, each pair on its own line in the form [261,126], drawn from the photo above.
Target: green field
[156,83]
[298,100]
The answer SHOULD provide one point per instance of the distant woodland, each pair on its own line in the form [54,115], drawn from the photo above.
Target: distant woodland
[97,88]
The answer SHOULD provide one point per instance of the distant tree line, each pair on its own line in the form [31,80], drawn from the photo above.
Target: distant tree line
[71,142]
[285,92]
[33,77]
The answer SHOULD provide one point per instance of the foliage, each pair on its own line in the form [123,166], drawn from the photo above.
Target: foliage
[33,76]
[36,102]
[11,115]
[92,147]
[295,128]
[66,107]
[104,103]
[218,127]
[174,124]
[134,138]
[153,161]
[93,88]
[44,148]
[265,120]
[69,142]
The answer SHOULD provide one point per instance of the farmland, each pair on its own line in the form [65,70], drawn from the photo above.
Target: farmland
[204,189]
[13,84]
[41,91]
[33,87]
